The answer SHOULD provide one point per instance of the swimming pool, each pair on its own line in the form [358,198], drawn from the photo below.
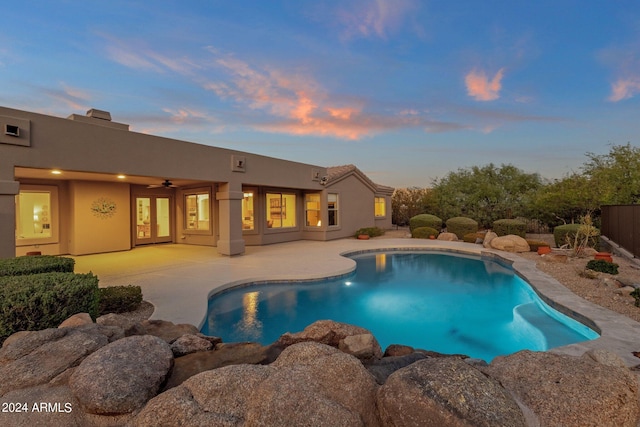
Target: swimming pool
[449,303]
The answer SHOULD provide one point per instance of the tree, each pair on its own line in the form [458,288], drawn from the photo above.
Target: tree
[615,176]
[406,203]
[486,193]
[565,201]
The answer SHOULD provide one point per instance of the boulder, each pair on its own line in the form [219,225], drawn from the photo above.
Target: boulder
[78,319]
[327,332]
[122,376]
[488,237]
[363,346]
[224,355]
[448,237]
[445,392]
[334,389]
[397,350]
[381,369]
[190,343]
[168,331]
[570,391]
[510,243]
[39,356]
[217,397]
[128,325]
[309,384]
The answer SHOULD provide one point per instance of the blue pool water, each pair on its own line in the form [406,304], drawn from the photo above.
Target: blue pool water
[429,300]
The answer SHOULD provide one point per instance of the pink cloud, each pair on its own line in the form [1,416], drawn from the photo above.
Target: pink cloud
[481,88]
[624,89]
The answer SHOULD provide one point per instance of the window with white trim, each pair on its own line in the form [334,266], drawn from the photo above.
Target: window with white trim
[332,209]
[37,215]
[197,208]
[281,210]
[312,210]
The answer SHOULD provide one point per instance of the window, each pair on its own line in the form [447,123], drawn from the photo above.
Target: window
[281,210]
[312,210]
[36,215]
[380,207]
[247,210]
[332,208]
[197,208]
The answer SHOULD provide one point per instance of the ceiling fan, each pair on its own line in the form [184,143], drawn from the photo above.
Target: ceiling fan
[166,184]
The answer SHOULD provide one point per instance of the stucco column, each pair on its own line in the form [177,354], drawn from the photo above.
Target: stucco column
[230,220]
[8,191]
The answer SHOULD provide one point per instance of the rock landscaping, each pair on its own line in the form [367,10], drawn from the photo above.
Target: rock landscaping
[155,373]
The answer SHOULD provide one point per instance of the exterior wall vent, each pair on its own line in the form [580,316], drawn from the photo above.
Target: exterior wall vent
[99,114]
[11,130]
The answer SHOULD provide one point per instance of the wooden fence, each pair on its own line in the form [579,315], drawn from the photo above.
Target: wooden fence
[621,224]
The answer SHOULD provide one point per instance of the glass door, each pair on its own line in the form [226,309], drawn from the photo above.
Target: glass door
[152,220]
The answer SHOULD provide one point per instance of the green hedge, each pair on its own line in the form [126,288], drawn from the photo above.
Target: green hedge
[119,299]
[370,231]
[425,220]
[503,227]
[40,301]
[460,226]
[424,233]
[35,264]
[561,232]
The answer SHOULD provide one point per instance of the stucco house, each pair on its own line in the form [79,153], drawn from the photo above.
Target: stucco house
[86,184]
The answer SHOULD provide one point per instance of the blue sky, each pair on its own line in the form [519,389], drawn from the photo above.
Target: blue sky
[407,90]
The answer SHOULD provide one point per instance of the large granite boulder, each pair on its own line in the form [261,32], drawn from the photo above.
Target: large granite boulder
[168,331]
[309,384]
[224,355]
[128,325]
[78,319]
[445,392]
[190,343]
[39,356]
[570,391]
[334,334]
[122,376]
[448,237]
[488,237]
[510,243]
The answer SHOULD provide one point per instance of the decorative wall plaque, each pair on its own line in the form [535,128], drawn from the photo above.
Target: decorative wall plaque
[103,207]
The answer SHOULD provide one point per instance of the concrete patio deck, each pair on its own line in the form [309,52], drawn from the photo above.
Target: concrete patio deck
[178,279]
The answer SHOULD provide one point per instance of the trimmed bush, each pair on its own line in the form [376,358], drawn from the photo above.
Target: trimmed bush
[460,226]
[636,295]
[503,227]
[561,232]
[41,301]
[425,220]
[119,299]
[36,264]
[424,233]
[473,237]
[370,231]
[602,266]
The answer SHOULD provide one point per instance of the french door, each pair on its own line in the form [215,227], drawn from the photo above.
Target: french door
[153,219]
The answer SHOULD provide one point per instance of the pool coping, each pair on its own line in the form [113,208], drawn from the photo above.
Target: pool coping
[609,325]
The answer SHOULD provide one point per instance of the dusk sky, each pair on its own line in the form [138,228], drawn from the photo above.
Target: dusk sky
[407,90]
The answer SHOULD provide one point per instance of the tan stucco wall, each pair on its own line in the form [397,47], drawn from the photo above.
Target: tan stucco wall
[92,233]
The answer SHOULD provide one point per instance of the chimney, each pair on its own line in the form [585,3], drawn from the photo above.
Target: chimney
[99,114]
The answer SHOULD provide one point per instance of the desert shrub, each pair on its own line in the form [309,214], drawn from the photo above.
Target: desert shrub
[119,299]
[35,264]
[636,294]
[503,227]
[603,266]
[535,244]
[424,233]
[473,237]
[566,234]
[460,226]
[40,301]
[370,231]
[425,220]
